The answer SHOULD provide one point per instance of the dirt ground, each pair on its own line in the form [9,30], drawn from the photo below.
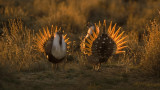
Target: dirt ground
[75,77]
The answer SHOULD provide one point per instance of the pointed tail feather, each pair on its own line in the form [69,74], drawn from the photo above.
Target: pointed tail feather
[119,39]
[44,40]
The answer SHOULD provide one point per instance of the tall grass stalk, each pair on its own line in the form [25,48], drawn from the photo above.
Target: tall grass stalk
[151,58]
[17,46]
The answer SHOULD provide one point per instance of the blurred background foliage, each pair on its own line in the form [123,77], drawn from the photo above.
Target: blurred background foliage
[20,20]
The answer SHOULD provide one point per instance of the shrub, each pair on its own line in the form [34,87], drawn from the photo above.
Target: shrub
[151,58]
[17,47]
[69,14]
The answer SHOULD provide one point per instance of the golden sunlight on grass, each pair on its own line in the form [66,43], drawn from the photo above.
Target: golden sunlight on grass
[17,46]
[150,59]
[22,66]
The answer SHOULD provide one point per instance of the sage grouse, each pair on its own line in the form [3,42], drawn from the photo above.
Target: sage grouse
[99,47]
[53,44]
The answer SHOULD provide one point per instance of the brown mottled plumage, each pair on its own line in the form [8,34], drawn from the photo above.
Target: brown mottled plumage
[53,44]
[99,48]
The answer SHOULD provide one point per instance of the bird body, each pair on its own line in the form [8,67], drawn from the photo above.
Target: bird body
[58,47]
[103,46]
[53,44]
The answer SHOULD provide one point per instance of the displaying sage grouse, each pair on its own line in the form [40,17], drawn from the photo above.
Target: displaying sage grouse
[53,44]
[99,47]
[86,41]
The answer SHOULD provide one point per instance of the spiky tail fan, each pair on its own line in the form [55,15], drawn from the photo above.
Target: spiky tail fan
[45,38]
[104,40]
[86,47]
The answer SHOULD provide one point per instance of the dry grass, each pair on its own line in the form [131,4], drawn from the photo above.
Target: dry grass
[18,53]
[72,16]
[17,47]
[69,14]
[151,55]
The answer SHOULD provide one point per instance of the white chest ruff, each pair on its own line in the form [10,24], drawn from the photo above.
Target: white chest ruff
[58,51]
[89,33]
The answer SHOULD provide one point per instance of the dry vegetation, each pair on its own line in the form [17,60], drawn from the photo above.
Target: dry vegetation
[20,61]
[150,60]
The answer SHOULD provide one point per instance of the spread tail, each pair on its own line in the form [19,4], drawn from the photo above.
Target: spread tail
[117,38]
[44,39]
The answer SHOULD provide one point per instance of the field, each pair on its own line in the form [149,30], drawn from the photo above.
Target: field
[22,66]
